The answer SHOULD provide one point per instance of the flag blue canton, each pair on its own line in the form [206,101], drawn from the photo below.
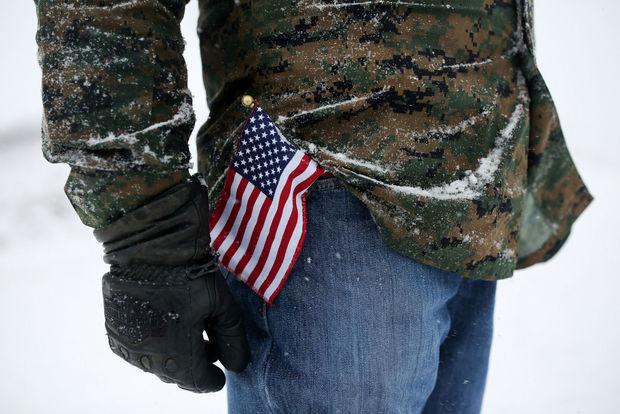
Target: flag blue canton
[262,153]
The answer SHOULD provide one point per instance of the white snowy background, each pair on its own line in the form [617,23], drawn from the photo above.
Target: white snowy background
[557,339]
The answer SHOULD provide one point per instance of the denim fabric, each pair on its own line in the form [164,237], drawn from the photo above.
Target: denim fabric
[359,328]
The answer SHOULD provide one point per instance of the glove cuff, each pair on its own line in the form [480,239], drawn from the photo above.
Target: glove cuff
[146,274]
[171,229]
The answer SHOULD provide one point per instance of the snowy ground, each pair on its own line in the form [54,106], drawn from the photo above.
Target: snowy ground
[556,335]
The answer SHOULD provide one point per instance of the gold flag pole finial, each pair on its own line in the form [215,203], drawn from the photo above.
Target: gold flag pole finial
[247,101]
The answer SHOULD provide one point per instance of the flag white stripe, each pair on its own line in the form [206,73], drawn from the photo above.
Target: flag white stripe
[238,219]
[258,204]
[286,214]
[230,203]
[291,248]
[291,166]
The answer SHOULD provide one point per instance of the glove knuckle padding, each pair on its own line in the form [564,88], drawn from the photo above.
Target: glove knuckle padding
[157,302]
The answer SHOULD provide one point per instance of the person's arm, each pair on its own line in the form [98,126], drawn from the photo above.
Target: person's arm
[117,110]
[116,106]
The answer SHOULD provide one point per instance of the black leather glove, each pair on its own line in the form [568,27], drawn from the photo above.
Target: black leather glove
[164,289]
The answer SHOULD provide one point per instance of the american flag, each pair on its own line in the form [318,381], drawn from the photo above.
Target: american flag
[258,225]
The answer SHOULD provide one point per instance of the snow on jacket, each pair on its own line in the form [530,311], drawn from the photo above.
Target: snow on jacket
[432,112]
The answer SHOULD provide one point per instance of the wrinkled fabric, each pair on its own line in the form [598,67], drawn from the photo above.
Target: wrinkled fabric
[115,99]
[432,112]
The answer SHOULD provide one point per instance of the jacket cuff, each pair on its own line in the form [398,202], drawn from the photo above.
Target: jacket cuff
[101,197]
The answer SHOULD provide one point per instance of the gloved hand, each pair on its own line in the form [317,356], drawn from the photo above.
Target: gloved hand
[164,289]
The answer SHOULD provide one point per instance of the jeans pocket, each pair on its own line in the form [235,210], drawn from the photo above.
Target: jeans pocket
[327,184]
[225,272]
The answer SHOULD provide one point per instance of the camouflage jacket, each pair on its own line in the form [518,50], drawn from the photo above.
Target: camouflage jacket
[433,112]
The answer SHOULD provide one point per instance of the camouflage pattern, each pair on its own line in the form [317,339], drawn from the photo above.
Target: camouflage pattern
[432,112]
[115,98]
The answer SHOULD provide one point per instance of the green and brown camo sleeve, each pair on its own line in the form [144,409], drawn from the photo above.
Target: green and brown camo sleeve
[116,107]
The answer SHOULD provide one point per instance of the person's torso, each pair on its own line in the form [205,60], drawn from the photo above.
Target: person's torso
[421,107]
[406,91]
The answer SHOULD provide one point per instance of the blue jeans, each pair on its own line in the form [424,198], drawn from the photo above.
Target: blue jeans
[359,328]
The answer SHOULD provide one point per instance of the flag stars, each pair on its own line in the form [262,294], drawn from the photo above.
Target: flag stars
[263,153]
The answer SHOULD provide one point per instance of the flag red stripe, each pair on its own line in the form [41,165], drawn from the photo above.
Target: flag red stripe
[253,222]
[290,265]
[276,286]
[241,231]
[232,236]
[292,236]
[233,215]
[288,232]
[265,217]
[278,234]
[253,239]
[224,195]
[285,214]
[301,167]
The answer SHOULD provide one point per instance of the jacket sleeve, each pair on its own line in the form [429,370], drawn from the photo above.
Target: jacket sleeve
[116,107]
[556,194]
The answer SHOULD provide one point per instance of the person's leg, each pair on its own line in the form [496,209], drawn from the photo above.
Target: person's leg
[464,355]
[357,327]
